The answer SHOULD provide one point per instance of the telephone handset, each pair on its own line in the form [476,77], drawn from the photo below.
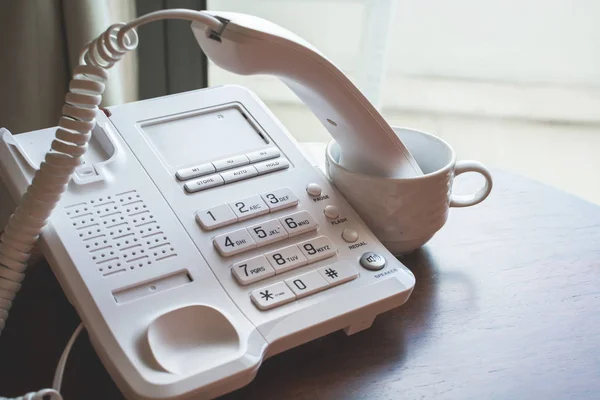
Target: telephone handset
[190,233]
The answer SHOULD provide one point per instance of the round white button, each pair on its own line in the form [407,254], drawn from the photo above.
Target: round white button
[331,212]
[314,189]
[350,235]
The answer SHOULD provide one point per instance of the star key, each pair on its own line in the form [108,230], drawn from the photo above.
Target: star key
[271,296]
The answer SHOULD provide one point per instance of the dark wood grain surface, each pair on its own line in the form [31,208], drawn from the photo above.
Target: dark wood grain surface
[506,306]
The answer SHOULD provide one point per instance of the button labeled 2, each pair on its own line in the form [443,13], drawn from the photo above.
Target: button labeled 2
[298,223]
[267,232]
[280,199]
[249,207]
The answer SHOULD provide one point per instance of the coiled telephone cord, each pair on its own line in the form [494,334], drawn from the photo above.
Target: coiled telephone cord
[69,145]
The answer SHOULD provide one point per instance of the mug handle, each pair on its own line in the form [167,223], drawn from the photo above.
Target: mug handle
[481,194]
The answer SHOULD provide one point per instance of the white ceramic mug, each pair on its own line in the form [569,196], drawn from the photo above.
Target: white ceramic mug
[404,214]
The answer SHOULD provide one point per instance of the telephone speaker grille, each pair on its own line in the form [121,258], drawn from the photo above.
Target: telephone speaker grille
[120,233]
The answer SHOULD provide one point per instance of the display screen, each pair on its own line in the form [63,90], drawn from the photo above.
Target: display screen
[203,137]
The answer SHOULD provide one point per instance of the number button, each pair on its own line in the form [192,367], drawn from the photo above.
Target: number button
[267,232]
[249,207]
[280,199]
[317,248]
[306,284]
[298,223]
[213,218]
[272,296]
[286,259]
[234,242]
[252,270]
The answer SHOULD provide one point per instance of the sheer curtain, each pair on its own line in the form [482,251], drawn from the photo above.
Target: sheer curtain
[40,41]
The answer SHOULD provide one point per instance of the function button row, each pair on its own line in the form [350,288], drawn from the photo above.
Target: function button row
[227,163]
[283,260]
[227,214]
[263,233]
[303,285]
[235,175]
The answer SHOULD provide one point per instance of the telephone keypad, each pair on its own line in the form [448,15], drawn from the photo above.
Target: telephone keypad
[216,217]
[249,207]
[279,199]
[234,242]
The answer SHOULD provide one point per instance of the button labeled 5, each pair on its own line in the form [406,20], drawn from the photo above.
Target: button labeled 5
[267,232]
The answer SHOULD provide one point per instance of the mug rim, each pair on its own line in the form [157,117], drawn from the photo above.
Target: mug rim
[440,171]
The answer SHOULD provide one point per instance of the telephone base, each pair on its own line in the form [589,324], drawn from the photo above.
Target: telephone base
[194,243]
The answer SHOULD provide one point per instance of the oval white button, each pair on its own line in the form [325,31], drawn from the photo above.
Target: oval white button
[331,212]
[350,235]
[314,189]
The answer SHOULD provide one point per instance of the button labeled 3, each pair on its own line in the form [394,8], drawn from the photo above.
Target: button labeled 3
[280,199]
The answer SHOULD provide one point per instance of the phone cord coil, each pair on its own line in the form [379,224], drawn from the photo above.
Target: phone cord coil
[69,145]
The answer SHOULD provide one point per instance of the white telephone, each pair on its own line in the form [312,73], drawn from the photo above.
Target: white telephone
[193,237]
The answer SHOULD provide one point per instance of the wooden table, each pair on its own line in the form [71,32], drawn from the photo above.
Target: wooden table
[507,306]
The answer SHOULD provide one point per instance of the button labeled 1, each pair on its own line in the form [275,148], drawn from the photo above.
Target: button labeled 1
[252,270]
[216,217]
[249,207]
[234,242]
[280,199]
[306,284]
[298,223]
[267,232]
[317,249]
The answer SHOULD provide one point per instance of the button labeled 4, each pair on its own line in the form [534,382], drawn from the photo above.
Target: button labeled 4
[234,242]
